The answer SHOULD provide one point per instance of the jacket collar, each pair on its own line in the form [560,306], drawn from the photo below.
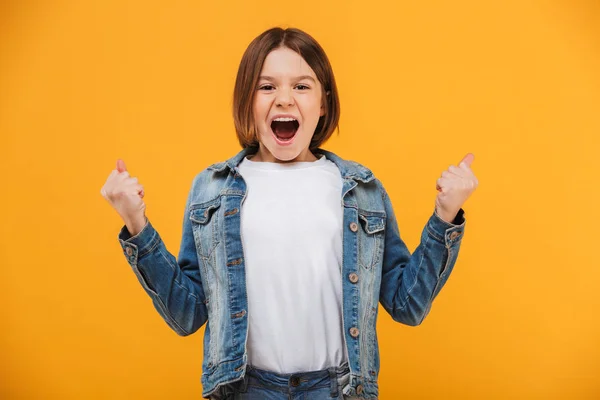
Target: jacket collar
[348,169]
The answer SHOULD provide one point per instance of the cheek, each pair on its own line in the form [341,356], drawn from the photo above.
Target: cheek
[312,112]
[260,116]
[256,110]
[261,113]
[315,104]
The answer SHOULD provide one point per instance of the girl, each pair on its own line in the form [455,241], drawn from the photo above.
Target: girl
[287,249]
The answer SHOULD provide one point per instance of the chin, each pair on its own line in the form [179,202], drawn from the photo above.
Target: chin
[285,154]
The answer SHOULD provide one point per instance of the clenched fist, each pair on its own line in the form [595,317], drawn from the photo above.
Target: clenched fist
[125,195]
[454,187]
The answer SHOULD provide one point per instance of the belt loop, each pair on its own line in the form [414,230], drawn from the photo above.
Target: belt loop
[244,383]
[333,382]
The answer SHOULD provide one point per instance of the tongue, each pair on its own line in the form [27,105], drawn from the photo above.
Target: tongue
[284,130]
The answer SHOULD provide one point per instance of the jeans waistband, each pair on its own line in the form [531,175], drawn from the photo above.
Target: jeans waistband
[298,381]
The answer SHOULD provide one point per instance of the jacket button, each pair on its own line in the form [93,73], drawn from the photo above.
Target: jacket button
[128,251]
[353,226]
[359,390]
[454,234]
[353,277]
[354,332]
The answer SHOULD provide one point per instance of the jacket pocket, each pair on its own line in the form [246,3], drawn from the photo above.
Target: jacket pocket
[371,238]
[205,225]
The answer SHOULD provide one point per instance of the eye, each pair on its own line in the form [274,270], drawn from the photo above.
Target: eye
[302,87]
[266,87]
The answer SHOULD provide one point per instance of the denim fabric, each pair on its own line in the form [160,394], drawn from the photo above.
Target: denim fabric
[258,384]
[207,282]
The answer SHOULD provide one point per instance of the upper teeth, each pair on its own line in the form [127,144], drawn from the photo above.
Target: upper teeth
[284,119]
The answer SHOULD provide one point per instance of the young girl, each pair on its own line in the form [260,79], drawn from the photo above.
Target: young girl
[287,249]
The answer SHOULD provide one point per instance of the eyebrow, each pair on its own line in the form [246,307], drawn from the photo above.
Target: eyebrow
[298,78]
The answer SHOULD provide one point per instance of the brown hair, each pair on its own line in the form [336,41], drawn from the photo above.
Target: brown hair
[249,72]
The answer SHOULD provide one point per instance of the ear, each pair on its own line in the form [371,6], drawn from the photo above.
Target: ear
[324,104]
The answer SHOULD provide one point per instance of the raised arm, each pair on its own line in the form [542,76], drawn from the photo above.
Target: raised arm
[410,283]
[174,285]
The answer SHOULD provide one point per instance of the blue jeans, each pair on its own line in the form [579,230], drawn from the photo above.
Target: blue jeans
[258,384]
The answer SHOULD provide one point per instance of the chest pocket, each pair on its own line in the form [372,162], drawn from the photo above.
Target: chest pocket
[205,225]
[371,238]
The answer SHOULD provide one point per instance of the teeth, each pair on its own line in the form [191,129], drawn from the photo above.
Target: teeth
[284,119]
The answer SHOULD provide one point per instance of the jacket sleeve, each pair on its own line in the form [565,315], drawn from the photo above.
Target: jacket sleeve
[174,286]
[410,283]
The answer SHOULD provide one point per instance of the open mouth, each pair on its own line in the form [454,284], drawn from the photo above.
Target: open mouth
[285,128]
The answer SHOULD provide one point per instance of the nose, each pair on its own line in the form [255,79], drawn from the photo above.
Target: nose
[284,98]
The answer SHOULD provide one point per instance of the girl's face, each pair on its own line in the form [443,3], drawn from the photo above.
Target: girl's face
[287,107]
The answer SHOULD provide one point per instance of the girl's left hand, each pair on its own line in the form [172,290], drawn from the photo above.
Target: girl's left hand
[455,186]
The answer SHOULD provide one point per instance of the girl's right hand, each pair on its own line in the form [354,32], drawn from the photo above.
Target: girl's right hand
[125,195]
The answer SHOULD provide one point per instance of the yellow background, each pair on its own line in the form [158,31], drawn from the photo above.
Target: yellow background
[517,83]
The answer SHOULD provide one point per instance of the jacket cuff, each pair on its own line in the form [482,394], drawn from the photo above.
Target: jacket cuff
[445,232]
[140,244]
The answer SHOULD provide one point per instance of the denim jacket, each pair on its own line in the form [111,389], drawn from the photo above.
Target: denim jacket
[207,282]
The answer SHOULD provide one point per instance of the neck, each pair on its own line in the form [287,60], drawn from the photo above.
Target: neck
[265,156]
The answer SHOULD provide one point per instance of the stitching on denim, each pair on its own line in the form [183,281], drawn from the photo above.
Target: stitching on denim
[365,338]
[361,343]
[432,233]
[215,306]
[437,284]
[216,365]
[209,256]
[445,267]
[170,318]
[377,237]
[372,333]
[361,251]
[143,279]
[152,246]
[216,202]
[210,224]
[377,256]
[405,303]
[178,282]
[269,387]
[221,383]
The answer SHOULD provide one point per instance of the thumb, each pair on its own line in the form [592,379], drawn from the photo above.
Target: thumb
[121,165]
[467,160]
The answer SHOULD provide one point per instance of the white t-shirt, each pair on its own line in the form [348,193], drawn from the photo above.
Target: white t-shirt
[291,224]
